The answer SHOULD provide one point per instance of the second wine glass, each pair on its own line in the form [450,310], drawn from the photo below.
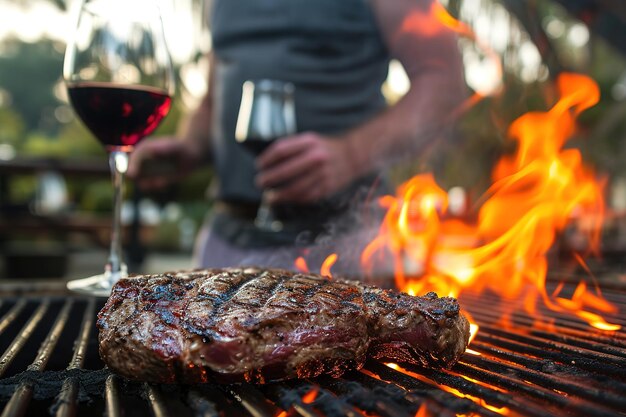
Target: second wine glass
[267,112]
[120,82]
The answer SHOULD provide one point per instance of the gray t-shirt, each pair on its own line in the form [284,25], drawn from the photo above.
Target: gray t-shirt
[332,51]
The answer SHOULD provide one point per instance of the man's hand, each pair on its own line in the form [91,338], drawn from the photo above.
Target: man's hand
[156,163]
[304,168]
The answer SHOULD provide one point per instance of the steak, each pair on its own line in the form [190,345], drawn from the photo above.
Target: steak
[258,325]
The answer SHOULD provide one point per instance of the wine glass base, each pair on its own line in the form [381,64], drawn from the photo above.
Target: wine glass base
[97,285]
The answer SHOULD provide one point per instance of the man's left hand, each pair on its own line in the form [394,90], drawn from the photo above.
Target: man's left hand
[304,168]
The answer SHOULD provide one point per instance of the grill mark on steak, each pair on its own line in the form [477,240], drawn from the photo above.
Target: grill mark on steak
[260,325]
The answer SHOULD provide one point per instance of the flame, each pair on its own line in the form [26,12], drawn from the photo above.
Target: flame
[433,21]
[310,396]
[536,193]
[300,264]
[307,398]
[473,331]
[422,411]
[327,264]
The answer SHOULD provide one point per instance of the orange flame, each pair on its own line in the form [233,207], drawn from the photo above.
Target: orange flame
[310,396]
[327,264]
[307,398]
[422,411]
[443,17]
[300,264]
[536,193]
[473,332]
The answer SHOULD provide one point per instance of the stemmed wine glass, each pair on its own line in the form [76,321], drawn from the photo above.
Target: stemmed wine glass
[266,113]
[120,82]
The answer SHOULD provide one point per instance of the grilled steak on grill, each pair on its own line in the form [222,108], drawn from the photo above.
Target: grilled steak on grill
[259,325]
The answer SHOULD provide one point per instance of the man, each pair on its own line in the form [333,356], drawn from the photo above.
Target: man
[336,53]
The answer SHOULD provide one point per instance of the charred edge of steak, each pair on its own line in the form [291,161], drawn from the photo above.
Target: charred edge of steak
[260,325]
[428,330]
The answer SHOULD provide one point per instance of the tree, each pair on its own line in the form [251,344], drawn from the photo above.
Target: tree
[12,127]
[28,72]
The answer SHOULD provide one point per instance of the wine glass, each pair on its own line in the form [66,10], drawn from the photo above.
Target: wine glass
[266,113]
[120,82]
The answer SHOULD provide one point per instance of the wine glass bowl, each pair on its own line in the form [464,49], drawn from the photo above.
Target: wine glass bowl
[120,82]
[266,113]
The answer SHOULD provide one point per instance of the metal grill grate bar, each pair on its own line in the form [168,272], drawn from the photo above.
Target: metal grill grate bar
[543,365]
[571,387]
[9,355]
[544,395]
[290,394]
[210,400]
[477,302]
[202,406]
[50,342]
[80,349]
[384,392]
[20,399]
[69,392]
[10,316]
[358,395]
[253,401]
[593,364]
[550,344]
[432,387]
[67,398]
[600,340]
[112,397]
[156,401]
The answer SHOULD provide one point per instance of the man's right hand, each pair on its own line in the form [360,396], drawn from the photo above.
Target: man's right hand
[157,163]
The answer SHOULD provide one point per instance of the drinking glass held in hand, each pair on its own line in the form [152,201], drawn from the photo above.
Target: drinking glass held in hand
[266,113]
[120,82]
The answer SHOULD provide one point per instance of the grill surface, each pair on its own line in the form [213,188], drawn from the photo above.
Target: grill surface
[50,366]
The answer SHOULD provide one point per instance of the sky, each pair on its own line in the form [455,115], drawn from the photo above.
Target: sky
[33,20]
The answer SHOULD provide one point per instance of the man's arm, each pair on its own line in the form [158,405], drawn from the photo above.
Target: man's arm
[429,53]
[314,166]
[196,132]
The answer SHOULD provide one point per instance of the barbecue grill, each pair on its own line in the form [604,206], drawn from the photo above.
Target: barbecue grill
[562,367]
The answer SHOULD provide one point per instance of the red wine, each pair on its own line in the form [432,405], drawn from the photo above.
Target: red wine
[118,116]
[256,146]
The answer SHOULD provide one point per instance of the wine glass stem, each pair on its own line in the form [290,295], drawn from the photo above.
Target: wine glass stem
[118,162]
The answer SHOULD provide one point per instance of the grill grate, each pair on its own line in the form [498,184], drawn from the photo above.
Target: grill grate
[50,366]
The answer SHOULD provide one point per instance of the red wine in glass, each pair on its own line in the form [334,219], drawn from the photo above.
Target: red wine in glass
[120,80]
[266,113]
[119,117]
[257,146]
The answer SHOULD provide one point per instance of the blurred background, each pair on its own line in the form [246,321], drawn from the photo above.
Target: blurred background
[55,190]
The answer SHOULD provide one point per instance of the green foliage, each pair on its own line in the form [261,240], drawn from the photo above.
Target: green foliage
[12,127]
[22,189]
[28,72]
[77,143]
[98,197]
